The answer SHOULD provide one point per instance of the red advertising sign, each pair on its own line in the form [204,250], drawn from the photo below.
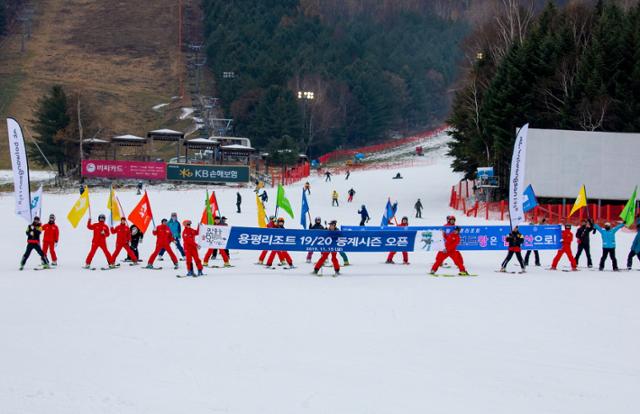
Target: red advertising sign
[124,169]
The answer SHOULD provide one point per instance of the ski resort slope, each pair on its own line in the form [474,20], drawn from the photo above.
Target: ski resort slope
[378,339]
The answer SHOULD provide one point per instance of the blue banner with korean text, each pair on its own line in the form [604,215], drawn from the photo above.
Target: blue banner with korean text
[543,237]
[254,238]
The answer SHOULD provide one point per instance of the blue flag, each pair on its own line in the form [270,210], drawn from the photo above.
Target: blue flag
[304,210]
[530,201]
[389,213]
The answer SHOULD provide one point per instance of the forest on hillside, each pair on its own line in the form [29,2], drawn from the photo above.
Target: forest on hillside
[575,67]
[374,73]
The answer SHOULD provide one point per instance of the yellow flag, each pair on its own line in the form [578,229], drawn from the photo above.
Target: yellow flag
[262,216]
[79,208]
[114,207]
[581,201]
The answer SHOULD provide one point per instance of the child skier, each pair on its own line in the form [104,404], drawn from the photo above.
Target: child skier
[136,238]
[351,193]
[515,240]
[33,243]
[608,244]
[282,255]
[214,252]
[334,199]
[191,248]
[405,255]
[100,233]
[323,257]
[123,237]
[317,225]
[364,215]
[50,239]
[635,247]
[583,236]
[270,225]
[567,238]
[176,231]
[451,242]
[536,253]
[163,241]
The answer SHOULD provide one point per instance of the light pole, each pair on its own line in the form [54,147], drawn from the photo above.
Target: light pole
[306,96]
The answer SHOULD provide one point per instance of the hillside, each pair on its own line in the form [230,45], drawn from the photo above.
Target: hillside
[120,57]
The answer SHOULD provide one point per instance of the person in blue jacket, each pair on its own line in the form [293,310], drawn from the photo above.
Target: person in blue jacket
[176,232]
[635,247]
[608,243]
[364,215]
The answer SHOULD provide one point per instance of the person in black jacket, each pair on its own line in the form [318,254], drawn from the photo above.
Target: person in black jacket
[418,206]
[136,238]
[535,252]
[33,243]
[515,240]
[238,201]
[583,236]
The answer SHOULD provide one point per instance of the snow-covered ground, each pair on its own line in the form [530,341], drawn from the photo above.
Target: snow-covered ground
[378,339]
[6,176]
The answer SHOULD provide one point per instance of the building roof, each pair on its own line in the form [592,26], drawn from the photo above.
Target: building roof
[128,137]
[237,147]
[94,141]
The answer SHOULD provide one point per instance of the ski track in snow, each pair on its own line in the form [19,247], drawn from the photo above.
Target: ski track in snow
[378,339]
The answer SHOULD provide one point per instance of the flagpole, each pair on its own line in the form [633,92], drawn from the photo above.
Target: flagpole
[586,201]
[86,188]
[111,204]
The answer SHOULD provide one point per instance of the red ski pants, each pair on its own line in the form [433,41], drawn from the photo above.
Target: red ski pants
[49,245]
[223,253]
[126,247]
[282,255]
[405,256]
[562,251]
[191,253]
[454,255]
[159,247]
[323,258]
[263,255]
[94,248]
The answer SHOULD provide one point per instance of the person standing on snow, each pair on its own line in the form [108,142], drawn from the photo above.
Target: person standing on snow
[270,225]
[583,238]
[307,188]
[418,206]
[50,239]
[191,248]
[535,252]
[176,231]
[327,176]
[347,175]
[33,243]
[451,242]
[317,225]
[136,238]
[163,241]
[515,240]
[238,202]
[364,215]
[608,244]
[100,233]
[635,247]
[217,221]
[283,256]
[334,199]
[567,238]
[333,226]
[123,238]
[351,193]
[405,255]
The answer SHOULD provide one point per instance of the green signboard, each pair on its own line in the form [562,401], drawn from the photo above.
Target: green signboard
[208,173]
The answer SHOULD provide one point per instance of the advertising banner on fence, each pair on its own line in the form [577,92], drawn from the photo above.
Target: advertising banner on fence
[429,238]
[138,170]
[208,173]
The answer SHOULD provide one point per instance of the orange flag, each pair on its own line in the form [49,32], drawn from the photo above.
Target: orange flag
[141,215]
[214,209]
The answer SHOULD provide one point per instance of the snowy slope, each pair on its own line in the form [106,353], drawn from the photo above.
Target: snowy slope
[379,339]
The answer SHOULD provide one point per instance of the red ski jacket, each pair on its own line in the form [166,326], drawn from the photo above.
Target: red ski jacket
[567,238]
[451,242]
[100,232]
[189,237]
[163,233]
[123,234]
[51,233]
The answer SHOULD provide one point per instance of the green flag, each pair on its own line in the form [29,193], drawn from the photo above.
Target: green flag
[283,202]
[207,204]
[628,215]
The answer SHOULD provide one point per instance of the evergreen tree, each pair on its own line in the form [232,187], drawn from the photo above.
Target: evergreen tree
[3,17]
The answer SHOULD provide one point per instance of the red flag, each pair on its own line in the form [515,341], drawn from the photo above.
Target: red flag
[141,215]
[214,208]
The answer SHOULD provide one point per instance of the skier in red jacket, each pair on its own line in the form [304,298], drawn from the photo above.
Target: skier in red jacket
[50,238]
[283,255]
[405,255]
[567,238]
[191,248]
[333,226]
[270,225]
[122,241]
[99,241]
[214,252]
[163,241]
[451,242]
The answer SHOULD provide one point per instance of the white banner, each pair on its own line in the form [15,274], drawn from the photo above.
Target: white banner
[213,237]
[20,170]
[429,241]
[36,203]
[516,179]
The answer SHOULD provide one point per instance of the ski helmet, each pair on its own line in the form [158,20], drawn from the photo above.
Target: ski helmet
[318,219]
[405,218]
[186,223]
[102,217]
[52,216]
[36,218]
[333,222]
[280,219]
[163,221]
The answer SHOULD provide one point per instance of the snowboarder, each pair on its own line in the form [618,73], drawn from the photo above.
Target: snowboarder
[238,202]
[535,252]
[327,176]
[351,193]
[334,199]
[270,225]
[217,221]
[405,255]
[347,175]
[136,238]
[515,240]
[50,239]
[99,241]
[191,248]
[451,242]
[567,238]
[163,241]
[635,247]
[176,231]
[418,206]
[123,238]
[283,256]
[307,187]
[364,215]
[33,243]
[583,236]
[608,244]
[323,257]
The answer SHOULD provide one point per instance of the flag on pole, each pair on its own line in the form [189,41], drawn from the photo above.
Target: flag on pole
[210,209]
[141,215]
[20,165]
[581,200]
[530,200]
[262,215]
[628,215]
[283,202]
[304,210]
[516,178]
[79,208]
[36,203]
[114,207]
[388,214]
